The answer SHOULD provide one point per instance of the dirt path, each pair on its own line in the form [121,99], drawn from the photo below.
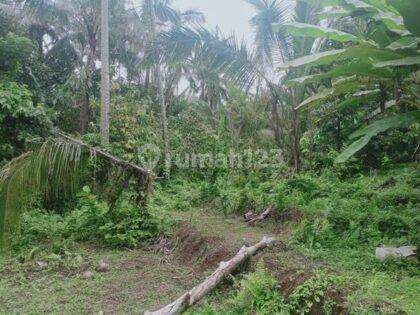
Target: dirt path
[234,231]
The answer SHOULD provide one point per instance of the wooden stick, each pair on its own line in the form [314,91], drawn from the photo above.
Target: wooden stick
[263,215]
[225,268]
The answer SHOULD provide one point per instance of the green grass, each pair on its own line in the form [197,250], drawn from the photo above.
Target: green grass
[137,280]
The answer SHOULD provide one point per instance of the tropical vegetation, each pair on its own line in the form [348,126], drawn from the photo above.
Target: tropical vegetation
[133,134]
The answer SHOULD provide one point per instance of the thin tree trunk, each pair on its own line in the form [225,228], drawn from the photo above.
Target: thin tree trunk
[105,99]
[277,124]
[160,95]
[161,100]
[296,141]
[86,112]
[311,137]
[147,79]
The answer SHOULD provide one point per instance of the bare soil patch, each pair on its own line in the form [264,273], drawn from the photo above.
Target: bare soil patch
[194,248]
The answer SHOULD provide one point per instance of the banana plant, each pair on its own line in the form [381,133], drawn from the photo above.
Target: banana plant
[379,61]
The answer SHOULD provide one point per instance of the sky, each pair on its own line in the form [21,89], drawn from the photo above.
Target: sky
[232,16]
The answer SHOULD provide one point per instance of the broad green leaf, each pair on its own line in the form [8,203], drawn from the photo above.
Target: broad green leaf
[314,31]
[407,42]
[331,56]
[410,11]
[333,12]
[340,87]
[381,5]
[315,99]
[346,69]
[358,4]
[393,22]
[325,57]
[346,87]
[374,129]
[352,149]
[379,126]
[407,61]
[358,98]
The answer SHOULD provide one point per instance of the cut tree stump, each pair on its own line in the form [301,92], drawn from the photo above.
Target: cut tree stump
[263,215]
[225,268]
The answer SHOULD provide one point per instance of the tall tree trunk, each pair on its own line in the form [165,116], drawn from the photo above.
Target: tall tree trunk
[311,138]
[147,79]
[92,42]
[161,100]
[160,91]
[276,117]
[86,112]
[296,141]
[105,108]
[277,124]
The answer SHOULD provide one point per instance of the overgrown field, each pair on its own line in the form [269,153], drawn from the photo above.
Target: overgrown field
[328,229]
[129,167]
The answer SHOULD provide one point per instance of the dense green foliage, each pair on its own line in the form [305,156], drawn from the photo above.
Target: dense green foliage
[331,138]
[122,226]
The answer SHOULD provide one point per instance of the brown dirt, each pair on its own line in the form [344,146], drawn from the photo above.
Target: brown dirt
[194,248]
[288,215]
[291,278]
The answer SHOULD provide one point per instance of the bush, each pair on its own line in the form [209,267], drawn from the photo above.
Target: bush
[258,295]
[125,225]
[90,214]
[20,119]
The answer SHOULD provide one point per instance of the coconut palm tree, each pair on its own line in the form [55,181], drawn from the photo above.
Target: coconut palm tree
[158,15]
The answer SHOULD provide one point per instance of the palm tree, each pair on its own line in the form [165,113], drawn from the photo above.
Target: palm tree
[274,46]
[158,15]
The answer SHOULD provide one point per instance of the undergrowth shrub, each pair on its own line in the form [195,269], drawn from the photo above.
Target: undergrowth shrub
[83,223]
[122,226]
[258,293]
[358,215]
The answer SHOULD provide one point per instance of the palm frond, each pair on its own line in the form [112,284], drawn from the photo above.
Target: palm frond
[193,16]
[52,169]
[271,46]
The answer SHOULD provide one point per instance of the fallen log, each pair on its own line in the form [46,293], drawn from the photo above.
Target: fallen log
[225,268]
[263,215]
[112,159]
